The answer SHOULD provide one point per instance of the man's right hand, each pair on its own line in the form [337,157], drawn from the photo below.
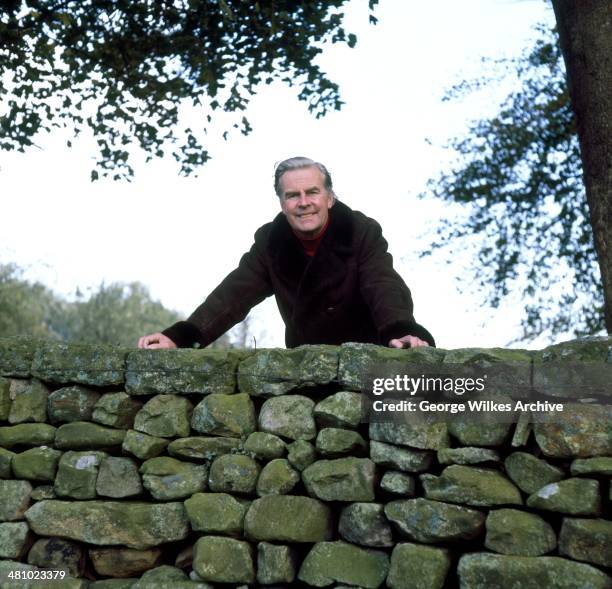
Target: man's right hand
[156,341]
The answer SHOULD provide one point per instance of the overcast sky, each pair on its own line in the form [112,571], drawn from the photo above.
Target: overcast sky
[181,236]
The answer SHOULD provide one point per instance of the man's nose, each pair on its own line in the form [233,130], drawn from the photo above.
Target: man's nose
[304,200]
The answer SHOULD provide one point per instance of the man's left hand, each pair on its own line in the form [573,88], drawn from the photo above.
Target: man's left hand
[408,341]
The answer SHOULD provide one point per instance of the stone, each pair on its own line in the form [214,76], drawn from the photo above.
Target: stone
[268,373]
[6,458]
[301,454]
[168,478]
[233,473]
[572,496]
[27,434]
[165,416]
[601,465]
[523,430]
[333,442]
[398,483]
[275,563]
[365,524]
[77,474]
[162,576]
[433,521]
[277,478]
[36,464]
[468,485]
[123,562]
[82,435]
[467,456]
[13,539]
[231,416]
[16,355]
[181,371]
[202,448]
[29,403]
[118,477]
[486,430]
[58,554]
[113,584]
[342,409]
[530,473]
[581,365]
[581,431]
[587,539]
[116,410]
[75,403]
[43,492]
[143,446]
[107,523]
[62,363]
[342,479]
[14,500]
[224,560]
[492,571]
[514,532]
[216,513]
[341,562]
[418,567]
[358,362]
[265,446]
[289,416]
[430,435]
[288,518]
[400,458]
[5,398]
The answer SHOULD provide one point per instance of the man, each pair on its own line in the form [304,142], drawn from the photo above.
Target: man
[327,266]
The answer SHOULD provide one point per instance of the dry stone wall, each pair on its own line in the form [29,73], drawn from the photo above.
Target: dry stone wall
[196,468]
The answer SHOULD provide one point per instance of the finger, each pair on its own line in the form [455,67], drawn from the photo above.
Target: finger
[396,343]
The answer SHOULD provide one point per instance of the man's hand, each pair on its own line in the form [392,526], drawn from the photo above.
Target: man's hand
[155,341]
[408,341]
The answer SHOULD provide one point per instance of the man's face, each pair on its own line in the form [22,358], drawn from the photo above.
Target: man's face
[304,201]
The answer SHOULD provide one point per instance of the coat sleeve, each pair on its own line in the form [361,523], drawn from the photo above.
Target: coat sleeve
[230,302]
[384,290]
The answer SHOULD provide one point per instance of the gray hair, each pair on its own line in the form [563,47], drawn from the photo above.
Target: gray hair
[297,163]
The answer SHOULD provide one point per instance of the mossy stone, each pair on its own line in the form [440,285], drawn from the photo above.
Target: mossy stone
[77,474]
[168,478]
[289,416]
[265,446]
[333,442]
[29,403]
[589,540]
[13,539]
[398,483]
[530,473]
[223,560]
[429,435]
[143,445]
[365,524]
[269,373]
[116,410]
[233,473]
[107,523]
[216,513]
[329,562]
[15,499]
[468,485]
[418,567]
[467,456]
[6,458]
[342,479]
[301,454]
[399,458]
[288,518]
[5,398]
[79,435]
[275,563]
[118,477]
[433,521]
[36,464]
[165,416]
[75,403]
[16,354]
[57,553]
[202,448]
[225,415]
[123,562]
[277,478]
[601,465]
[27,434]
[342,409]
[514,532]
[572,496]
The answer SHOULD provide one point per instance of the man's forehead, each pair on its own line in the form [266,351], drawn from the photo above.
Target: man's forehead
[302,177]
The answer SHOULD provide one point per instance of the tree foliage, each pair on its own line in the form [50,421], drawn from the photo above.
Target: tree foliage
[519,176]
[124,68]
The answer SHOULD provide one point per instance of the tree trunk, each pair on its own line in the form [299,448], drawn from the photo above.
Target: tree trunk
[585,33]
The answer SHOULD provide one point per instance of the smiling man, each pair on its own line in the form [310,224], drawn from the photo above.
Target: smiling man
[327,266]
